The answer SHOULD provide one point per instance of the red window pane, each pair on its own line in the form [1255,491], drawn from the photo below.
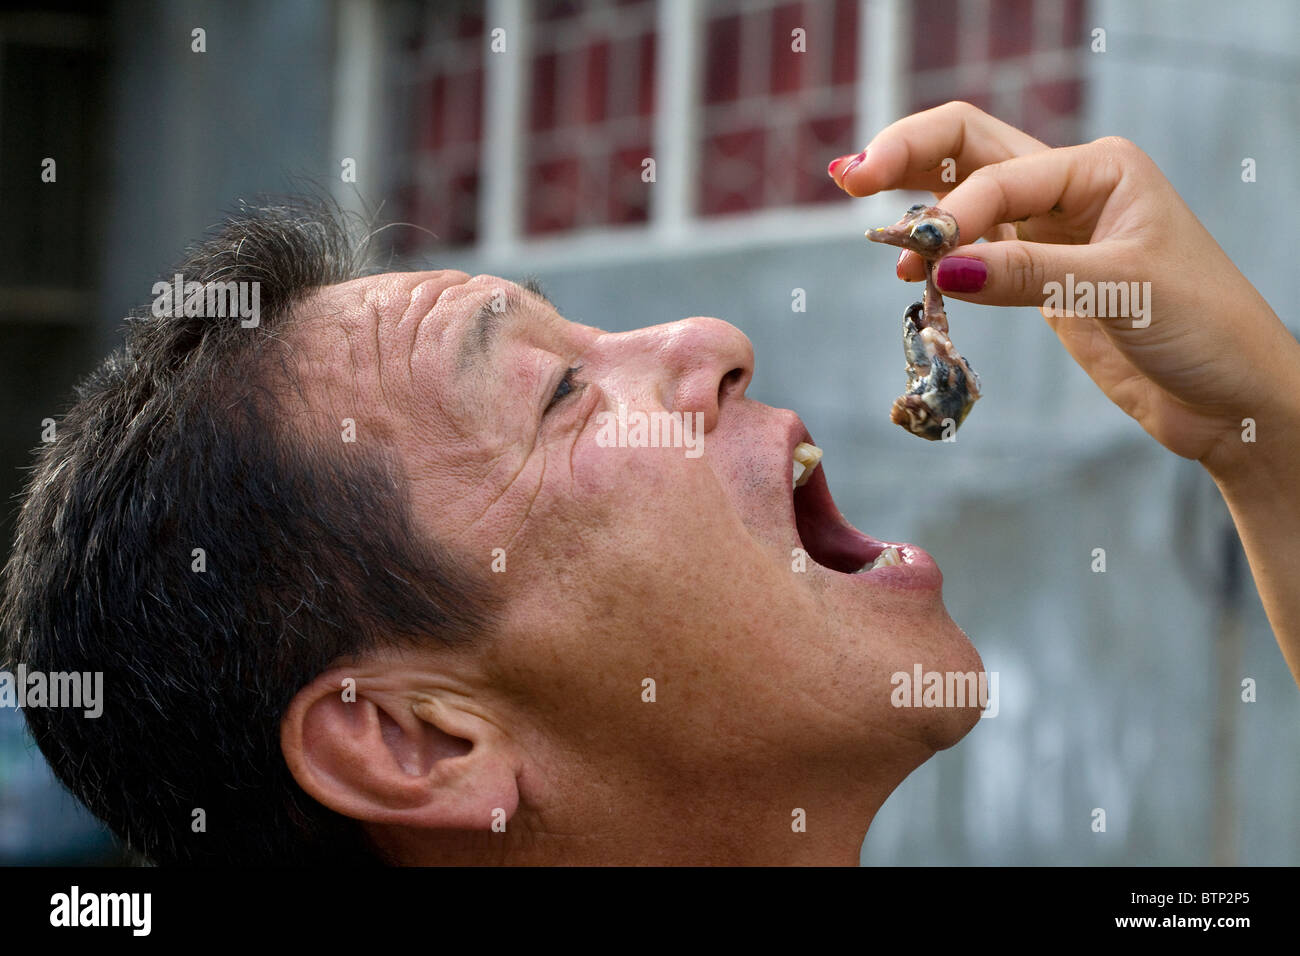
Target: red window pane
[629,197]
[772,116]
[469,24]
[844,45]
[438,192]
[733,172]
[570,99]
[934,34]
[815,140]
[646,85]
[787,65]
[1059,98]
[409,199]
[1072,31]
[722,60]
[547,10]
[542,108]
[553,195]
[430,118]
[1047,104]
[597,81]
[448,209]
[1011,30]
[755,26]
[462,108]
[593,72]
[463,224]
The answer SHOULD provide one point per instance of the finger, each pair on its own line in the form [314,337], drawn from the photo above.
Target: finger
[1067,187]
[1019,273]
[910,153]
[1004,231]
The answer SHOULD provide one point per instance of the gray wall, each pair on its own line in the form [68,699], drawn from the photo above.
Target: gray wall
[194,132]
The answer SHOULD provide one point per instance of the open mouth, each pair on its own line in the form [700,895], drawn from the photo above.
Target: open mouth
[830,541]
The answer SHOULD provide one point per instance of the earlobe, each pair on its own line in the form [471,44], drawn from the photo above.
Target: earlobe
[398,756]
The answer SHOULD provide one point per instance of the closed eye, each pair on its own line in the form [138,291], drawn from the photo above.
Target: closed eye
[568,385]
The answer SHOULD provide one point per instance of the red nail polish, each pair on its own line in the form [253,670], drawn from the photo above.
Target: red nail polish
[898,266]
[961,274]
[853,164]
[830,170]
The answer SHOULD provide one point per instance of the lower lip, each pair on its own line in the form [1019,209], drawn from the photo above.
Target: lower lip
[918,572]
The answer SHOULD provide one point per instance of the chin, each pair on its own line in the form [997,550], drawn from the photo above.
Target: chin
[943,648]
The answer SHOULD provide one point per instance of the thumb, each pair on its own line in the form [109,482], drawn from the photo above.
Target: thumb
[1015,272]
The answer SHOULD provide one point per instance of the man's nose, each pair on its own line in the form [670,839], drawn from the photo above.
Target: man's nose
[701,362]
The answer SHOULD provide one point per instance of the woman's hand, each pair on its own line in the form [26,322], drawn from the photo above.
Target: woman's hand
[1207,354]
[1213,353]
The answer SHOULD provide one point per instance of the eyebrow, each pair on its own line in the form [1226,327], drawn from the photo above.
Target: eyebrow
[488,321]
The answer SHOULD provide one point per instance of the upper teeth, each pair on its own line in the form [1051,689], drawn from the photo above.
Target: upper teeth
[806,458]
[887,558]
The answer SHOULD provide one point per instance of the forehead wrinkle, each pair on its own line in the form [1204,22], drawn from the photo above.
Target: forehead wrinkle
[414,337]
[324,381]
[376,318]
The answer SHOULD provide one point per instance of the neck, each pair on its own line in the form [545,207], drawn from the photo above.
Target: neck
[797,823]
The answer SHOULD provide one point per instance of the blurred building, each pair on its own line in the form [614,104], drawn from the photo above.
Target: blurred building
[653,159]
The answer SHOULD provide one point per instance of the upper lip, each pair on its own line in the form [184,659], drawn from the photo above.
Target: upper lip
[796,432]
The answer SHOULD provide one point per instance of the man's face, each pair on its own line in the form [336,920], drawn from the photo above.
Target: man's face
[622,565]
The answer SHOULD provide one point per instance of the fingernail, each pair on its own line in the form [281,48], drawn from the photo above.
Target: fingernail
[830,170]
[853,164]
[961,274]
[898,266]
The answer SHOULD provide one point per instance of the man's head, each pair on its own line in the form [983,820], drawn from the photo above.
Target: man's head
[439,600]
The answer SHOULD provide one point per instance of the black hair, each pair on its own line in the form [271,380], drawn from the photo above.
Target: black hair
[180,441]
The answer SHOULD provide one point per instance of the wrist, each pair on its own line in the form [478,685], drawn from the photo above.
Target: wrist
[1262,451]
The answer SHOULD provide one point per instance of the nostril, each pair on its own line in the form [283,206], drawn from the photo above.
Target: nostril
[730,382]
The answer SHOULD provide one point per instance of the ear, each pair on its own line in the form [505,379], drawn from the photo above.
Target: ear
[392,754]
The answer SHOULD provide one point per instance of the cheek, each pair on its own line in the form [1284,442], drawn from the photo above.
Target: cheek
[643,599]
[631,475]
[646,513]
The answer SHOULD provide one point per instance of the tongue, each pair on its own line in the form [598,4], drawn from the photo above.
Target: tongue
[840,548]
[829,540]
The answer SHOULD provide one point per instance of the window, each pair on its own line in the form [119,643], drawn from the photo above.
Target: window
[1017,59]
[762,93]
[777,98]
[590,110]
[440,80]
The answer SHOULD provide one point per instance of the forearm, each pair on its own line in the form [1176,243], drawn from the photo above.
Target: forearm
[1260,482]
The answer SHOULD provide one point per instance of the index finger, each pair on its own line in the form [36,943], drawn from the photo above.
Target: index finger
[910,153]
[1071,184]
